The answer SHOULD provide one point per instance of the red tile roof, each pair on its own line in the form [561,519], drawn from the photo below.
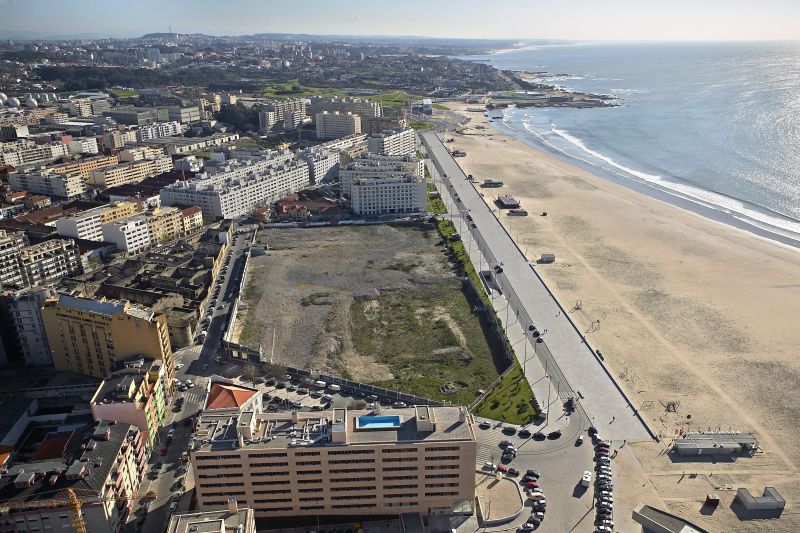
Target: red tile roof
[224,396]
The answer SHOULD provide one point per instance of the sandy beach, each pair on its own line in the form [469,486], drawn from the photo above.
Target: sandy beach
[684,309]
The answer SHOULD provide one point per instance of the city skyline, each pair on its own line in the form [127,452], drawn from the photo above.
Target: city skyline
[626,20]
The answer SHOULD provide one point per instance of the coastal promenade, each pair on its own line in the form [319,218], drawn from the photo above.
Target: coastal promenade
[564,353]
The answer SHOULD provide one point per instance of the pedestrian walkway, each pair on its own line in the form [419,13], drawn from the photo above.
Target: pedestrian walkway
[565,354]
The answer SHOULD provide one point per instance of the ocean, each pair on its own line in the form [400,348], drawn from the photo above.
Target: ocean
[714,128]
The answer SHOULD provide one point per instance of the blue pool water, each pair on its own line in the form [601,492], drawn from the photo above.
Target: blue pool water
[378,422]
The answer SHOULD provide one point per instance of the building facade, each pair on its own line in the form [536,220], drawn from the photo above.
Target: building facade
[349,463]
[130,172]
[84,167]
[131,235]
[89,224]
[48,183]
[159,129]
[49,261]
[239,186]
[234,519]
[387,196]
[370,165]
[11,245]
[23,323]
[366,109]
[323,165]
[191,219]
[336,125]
[90,336]
[164,224]
[400,141]
[25,153]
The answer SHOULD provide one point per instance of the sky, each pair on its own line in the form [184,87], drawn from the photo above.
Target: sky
[613,20]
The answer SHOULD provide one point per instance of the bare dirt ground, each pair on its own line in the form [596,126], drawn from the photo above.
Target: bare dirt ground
[302,294]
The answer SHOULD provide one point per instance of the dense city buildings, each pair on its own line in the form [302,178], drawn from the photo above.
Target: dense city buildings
[49,261]
[339,462]
[91,336]
[130,172]
[49,183]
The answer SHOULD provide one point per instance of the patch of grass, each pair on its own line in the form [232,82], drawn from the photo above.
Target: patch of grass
[510,400]
[446,230]
[395,99]
[404,266]
[296,90]
[435,204]
[441,107]
[247,142]
[410,332]
[421,125]
[124,93]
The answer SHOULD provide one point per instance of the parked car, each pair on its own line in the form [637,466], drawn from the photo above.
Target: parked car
[524,433]
[531,485]
[553,435]
[504,443]
[579,440]
[539,436]
[291,388]
[502,468]
[513,472]
[510,430]
[527,526]
[484,425]
[533,473]
[399,405]
[179,366]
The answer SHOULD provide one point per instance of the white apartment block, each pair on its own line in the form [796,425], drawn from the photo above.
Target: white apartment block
[80,107]
[130,234]
[323,165]
[27,153]
[266,120]
[337,125]
[281,107]
[386,196]
[83,145]
[129,136]
[350,463]
[138,153]
[369,165]
[159,129]
[184,145]
[49,261]
[130,172]
[186,115]
[68,186]
[237,187]
[23,307]
[400,141]
[366,109]
[87,225]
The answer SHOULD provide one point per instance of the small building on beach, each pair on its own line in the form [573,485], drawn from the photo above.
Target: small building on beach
[506,201]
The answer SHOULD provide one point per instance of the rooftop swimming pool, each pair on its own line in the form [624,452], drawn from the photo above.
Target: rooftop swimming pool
[378,422]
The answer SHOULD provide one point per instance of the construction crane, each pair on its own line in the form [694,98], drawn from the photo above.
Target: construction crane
[73,502]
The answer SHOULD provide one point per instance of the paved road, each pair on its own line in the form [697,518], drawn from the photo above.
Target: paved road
[565,351]
[192,360]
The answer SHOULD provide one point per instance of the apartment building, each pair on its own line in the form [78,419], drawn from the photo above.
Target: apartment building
[130,172]
[139,153]
[266,120]
[164,224]
[11,245]
[89,224]
[13,133]
[366,109]
[323,165]
[336,125]
[159,129]
[91,336]
[83,145]
[80,107]
[112,140]
[237,187]
[191,219]
[49,183]
[133,395]
[84,167]
[49,261]
[130,234]
[399,141]
[370,165]
[184,145]
[340,462]
[22,327]
[293,119]
[103,464]
[281,107]
[386,196]
[233,519]
[25,153]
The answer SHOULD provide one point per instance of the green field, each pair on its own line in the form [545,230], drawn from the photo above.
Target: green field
[395,99]
[421,125]
[510,400]
[431,341]
[441,107]
[120,93]
[435,205]
[295,90]
[446,229]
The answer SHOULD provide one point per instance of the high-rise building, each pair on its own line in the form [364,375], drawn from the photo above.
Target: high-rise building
[239,186]
[80,107]
[88,224]
[49,261]
[134,394]
[91,336]
[337,125]
[400,141]
[11,245]
[388,195]
[366,462]
[26,153]
[22,327]
[369,165]
[366,109]
[323,164]
[159,129]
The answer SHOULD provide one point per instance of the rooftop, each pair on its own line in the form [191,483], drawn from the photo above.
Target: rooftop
[225,396]
[220,429]
[212,522]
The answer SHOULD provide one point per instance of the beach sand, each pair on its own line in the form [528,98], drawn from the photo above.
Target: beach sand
[690,311]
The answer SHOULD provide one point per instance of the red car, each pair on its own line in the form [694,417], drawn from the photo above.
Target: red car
[164,451]
[532,485]
[502,468]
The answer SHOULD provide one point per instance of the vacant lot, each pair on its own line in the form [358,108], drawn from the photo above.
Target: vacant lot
[378,304]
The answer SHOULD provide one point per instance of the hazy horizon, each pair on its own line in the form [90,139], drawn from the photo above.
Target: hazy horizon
[579,20]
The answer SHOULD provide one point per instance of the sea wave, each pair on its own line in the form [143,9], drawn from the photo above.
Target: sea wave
[710,199]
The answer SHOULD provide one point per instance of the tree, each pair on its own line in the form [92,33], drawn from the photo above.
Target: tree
[250,372]
[273,371]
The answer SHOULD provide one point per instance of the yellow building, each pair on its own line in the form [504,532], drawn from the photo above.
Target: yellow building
[130,172]
[192,219]
[90,336]
[118,210]
[164,224]
[84,167]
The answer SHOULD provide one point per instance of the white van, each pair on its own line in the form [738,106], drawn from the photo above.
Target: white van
[334,388]
[320,384]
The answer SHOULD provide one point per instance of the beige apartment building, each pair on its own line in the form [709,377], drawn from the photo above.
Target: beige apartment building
[90,336]
[89,224]
[337,125]
[192,219]
[84,167]
[337,462]
[164,224]
[133,172]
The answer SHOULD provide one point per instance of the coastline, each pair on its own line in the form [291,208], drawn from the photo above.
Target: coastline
[687,309]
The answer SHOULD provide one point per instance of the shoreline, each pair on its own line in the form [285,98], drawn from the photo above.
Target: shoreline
[697,206]
[684,308]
